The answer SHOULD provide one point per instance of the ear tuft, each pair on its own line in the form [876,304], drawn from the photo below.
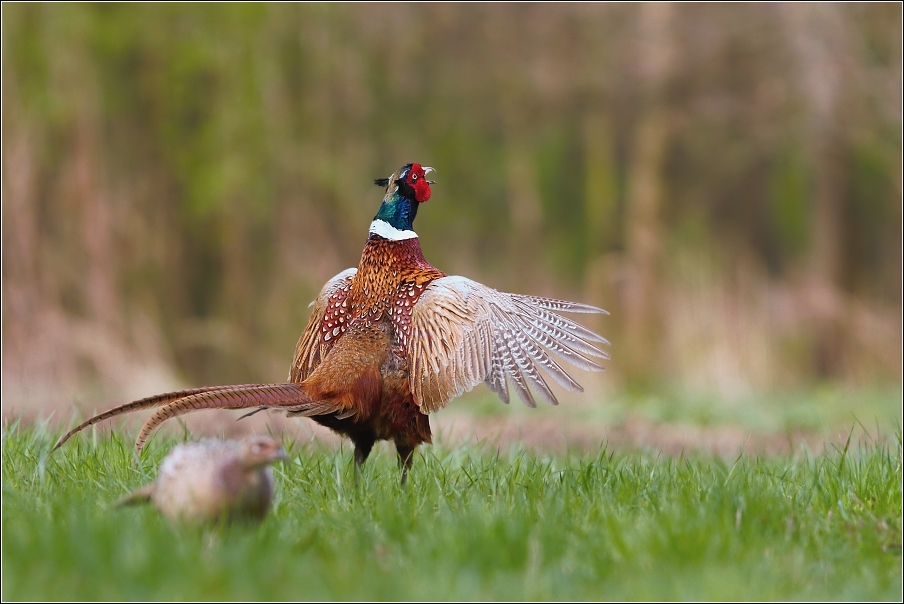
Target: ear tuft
[381,182]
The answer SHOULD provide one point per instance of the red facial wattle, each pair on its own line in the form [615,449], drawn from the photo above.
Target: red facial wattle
[417,180]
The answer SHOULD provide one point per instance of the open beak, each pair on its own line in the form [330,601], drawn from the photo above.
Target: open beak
[428,170]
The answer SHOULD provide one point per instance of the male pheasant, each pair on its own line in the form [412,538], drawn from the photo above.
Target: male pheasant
[396,339]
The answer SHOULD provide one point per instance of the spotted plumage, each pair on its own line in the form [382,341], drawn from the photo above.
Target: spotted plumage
[395,339]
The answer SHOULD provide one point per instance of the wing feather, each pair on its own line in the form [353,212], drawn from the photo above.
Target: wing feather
[311,350]
[560,305]
[464,333]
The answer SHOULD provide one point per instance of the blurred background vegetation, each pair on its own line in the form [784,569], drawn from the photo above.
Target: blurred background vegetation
[180,180]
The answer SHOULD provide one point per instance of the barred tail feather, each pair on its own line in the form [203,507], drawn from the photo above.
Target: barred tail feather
[232,397]
[150,402]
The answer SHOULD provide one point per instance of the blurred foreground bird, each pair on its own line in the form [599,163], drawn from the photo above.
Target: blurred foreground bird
[213,480]
[396,339]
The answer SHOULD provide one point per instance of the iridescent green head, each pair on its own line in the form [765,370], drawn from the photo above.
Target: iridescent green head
[406,189]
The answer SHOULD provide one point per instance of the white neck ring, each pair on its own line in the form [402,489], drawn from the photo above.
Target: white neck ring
[387,231]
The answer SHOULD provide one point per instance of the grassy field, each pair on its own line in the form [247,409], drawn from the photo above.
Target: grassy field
[471,524]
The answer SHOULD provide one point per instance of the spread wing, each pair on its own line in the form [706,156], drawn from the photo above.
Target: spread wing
[312,348]
[464,333]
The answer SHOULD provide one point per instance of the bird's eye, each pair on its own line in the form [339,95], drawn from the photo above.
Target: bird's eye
[414,178]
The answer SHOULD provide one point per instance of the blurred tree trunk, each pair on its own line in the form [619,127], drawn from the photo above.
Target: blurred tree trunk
[819,42]
[600,189]
[645,190]
[23,291]
[600,209]
[524,208]
[101,292]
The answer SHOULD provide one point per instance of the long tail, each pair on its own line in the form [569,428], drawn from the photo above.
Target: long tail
[146,403]
[294,398]
[172,404]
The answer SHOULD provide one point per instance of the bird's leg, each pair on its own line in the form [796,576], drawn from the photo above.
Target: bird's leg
[406,454]
[361,454]
[363,447]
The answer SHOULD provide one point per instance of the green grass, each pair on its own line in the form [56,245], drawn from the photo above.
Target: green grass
[471,524]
